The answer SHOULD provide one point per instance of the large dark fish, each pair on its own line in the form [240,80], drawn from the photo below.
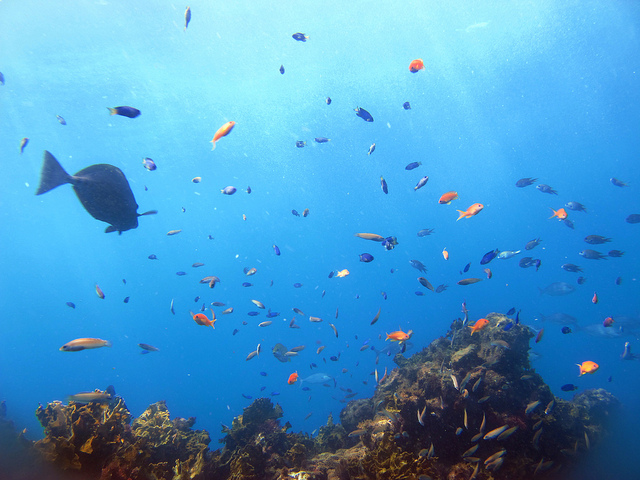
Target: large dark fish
[557,289]
[102,189]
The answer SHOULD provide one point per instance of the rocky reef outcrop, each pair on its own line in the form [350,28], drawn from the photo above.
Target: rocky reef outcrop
[465,407]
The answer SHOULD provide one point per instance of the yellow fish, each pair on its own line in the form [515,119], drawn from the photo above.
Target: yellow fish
[342,273]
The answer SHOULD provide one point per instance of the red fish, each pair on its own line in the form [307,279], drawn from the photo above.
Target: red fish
[474,209]
[445,254]
[416,65]
[223,131]
[594,299]
[588,367]
[293,378]
[399,336]
[561,213]
[479,325]
[201,319]
[607,322]
[446,198]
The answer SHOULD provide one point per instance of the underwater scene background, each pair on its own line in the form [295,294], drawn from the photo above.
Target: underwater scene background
[543,90]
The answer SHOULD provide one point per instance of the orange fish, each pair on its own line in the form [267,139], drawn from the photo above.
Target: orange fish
[416,65]
[223,131]
[607,322]
[445,254]
[99,292]
[201,319]
[488,272]
[83,344]
[293,378]
[446,198]
[342,273]
[588,367]
[561,213]
[479,325]
[399,336]
[594,299]
[471,211]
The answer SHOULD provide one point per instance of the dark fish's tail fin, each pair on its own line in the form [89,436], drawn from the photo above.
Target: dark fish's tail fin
[52,175]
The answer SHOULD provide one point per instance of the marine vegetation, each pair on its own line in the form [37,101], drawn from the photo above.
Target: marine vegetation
[465,407]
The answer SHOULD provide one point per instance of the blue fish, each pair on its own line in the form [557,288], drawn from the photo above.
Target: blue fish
[149,164]
[518,317]
[262,389]
[247,284]
[511,311]
[295,212]
[366,257]
[363,114]
[508,326]
[272,314]
[413,165]
[489,256]
[423,181]
[331,273]
[406,106]
[419,293]
[248,397]
[582,280]
[180,274]
[566,330]
[264,374]
[273,394]
[126,299]
[276,249]
[253,314]
[297,285]
[466,267]
[71,304]
[306,389]
[383,185]
[384,295]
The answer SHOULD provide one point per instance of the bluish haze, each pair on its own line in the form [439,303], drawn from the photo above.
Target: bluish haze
[539,89]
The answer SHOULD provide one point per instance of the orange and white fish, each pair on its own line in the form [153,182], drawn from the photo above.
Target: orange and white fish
[446,198]
[416,65]
[594,299]
[588,367]
[342,273]
[445,254]
[488,272]
[399,336]
[84,344]
[293,378]
[201,319]
[479,325]
[561,213]
[223,131]
[474,209]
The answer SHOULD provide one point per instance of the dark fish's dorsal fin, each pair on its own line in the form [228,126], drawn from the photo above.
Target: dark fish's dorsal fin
[110,229]
[52,175]
[150,212]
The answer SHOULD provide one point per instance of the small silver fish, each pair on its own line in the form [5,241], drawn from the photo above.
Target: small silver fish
[550,406]
[455,382]
[471,451]
[531,407]
[495,432]
[507,433]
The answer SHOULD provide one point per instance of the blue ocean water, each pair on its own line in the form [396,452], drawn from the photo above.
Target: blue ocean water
[536,89]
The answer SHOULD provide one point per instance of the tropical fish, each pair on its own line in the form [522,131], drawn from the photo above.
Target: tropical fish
[508,254]
[102,189]
[446,198]
[594,300]
[495,432]
[84,344]
[531,244]
[366,257]
[489,256]
[406,106]
[61,120]
[152,257]
[322,139]
[479,325]
[421,183]
[363,114]
[328,100]
[300,144]
[196,179]
[223,131]
[416,65]
[469,281]
[471,211]
[570,267]
[587,367]
[418,265]
[618,183]
[413,165]
[592,254]
[425,231]
[557,289]
[342,273]
[525,182]
[71,305]
[425,283]
[99,292]
[569,387]
[445,254]
[576,206]
[633,218]
[293,378]
[608,322]
[300,37]
[596,239]
[149,164]
[23,144]
[370,236]
[125,111]
[305,212]
[546,189]
[399,336]
[281,69]
[201,319]
[91,397]
[146,348]
[561,213]
[383,185]
[230,190]
[187,18]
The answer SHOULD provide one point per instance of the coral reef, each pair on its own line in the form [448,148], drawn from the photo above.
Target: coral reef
[465,407]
